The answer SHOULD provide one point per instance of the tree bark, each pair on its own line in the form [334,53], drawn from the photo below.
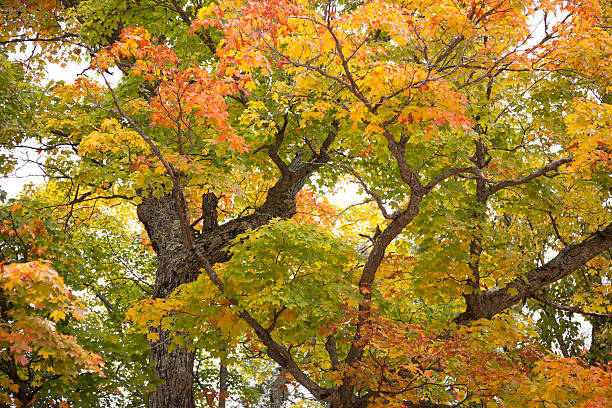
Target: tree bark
[222,385]
[178,264]
[175,369]
[277,393]
[175,266]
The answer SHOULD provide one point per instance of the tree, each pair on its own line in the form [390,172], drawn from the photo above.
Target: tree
[54,352]
[477,131]
[34,351]
[35,306]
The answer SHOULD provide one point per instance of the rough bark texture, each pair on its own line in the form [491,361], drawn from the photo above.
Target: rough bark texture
[175,266]
[175,369]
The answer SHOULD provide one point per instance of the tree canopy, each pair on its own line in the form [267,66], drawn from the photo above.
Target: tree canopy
[192,201]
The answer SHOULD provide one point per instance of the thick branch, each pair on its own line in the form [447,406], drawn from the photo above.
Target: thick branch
[280,203]
[275,351]
[209,212]
[493,301]
[273,148]
[398,151]
[107,304]
[454,172]
[538,173]
[281,356]
[332,351]
[368,274]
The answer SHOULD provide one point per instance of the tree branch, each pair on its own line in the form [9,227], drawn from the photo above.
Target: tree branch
[209,212]
[275,351]
[376,197]
[541,298]
[368,274]
[39,39]
[454,172]
[332,351]
[398,151]
[498,185]
[493,301]
[273,148]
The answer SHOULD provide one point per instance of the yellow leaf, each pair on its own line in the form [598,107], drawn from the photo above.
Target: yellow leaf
[57,315]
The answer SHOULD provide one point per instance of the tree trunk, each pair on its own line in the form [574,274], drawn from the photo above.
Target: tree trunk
[277,389]
[600,349]
[175,369]
[222,385]
[175,266]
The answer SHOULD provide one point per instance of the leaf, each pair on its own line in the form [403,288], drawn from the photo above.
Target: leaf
[57,315]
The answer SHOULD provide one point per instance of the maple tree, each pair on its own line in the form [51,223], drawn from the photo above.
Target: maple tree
[31,344]
[478,134]
[35,305]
